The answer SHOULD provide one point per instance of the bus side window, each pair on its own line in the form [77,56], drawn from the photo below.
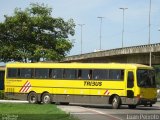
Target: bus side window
[79,74]
[50,73]
[42,73]
[100,74]
[86,74]
[116,74]
[90,74]
[69,74]
[26,73]
[13,73]
[57,73]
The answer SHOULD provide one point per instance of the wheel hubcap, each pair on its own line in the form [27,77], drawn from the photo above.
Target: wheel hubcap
[115,100]
[33,99]
[46,99]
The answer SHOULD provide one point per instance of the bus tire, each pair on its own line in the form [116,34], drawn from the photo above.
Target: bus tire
[46,98]
[32,98]
[132,106]
[116,102]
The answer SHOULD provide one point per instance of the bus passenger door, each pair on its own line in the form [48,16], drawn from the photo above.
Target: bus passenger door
[130,84]
[1,80]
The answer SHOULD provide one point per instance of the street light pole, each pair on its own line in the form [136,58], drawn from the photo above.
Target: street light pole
[123,24]
[81,25]
[100,32]
[149,37]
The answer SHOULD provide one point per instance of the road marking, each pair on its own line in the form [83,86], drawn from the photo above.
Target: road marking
[102,113]
[91,113]
[85,111]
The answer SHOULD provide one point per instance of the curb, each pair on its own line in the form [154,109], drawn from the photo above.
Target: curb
[12,101]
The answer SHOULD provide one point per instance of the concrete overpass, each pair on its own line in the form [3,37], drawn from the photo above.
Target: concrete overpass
[134,54]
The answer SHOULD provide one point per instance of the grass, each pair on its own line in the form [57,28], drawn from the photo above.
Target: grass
[32,112]
[1,94]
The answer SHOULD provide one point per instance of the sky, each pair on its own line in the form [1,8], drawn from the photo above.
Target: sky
[136,21]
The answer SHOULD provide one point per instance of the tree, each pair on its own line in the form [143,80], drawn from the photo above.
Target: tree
[32,34]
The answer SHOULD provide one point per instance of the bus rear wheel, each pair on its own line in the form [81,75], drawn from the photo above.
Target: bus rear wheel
[116,102]
[46,98]
[32,98]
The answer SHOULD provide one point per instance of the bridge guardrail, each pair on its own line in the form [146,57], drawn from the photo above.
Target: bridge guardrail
[117,51]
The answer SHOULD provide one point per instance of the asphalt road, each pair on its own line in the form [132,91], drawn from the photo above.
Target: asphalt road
[103,112]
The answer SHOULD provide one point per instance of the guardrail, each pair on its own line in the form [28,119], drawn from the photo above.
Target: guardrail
[117,51]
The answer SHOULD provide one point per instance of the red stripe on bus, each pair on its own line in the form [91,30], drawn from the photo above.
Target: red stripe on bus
[27,87]
[23,86]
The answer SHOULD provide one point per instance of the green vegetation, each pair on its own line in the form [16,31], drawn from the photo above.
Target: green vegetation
[32,112]
[33,34]
[1,94]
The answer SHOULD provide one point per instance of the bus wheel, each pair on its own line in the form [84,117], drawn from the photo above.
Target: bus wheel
[116,102]
[32,98]
[132,106]
[46,98]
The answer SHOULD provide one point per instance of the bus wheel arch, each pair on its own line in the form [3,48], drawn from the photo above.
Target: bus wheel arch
[32,97]
[115,100]
[46,97]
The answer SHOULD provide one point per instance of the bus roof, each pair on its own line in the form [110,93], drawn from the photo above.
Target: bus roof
[78,65]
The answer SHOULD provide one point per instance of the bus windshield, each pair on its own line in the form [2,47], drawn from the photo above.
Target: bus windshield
[146,78]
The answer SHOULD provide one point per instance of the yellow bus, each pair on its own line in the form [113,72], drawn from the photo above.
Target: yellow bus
[95,83]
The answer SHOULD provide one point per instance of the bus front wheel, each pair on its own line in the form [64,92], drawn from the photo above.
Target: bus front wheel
[116,102]
[32,98]
[46,98]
